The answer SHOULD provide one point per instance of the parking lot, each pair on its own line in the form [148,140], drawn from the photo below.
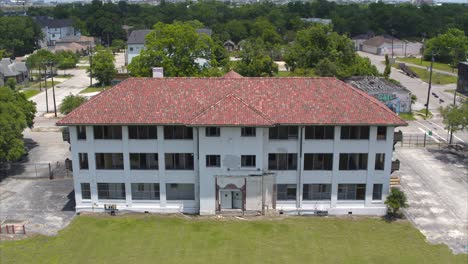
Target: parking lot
[436,183]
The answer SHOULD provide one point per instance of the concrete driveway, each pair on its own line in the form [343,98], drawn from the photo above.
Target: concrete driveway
[47,206]
[436,183]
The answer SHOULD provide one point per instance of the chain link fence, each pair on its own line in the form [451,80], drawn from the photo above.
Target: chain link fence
[34,170]
[421,141]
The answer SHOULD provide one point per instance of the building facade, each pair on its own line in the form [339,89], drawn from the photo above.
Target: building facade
[228,154]
[56,29]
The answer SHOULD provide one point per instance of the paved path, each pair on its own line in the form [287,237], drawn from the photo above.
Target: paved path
[424,67]
[436,183]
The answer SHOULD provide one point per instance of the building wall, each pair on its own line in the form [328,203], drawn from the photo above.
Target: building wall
[399,102]
[133,51]
[230,145]
[399,49]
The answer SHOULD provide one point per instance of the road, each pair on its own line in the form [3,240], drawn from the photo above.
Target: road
[424,67]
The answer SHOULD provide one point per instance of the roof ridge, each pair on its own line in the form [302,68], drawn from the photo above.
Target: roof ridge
[231,94]
[372,99]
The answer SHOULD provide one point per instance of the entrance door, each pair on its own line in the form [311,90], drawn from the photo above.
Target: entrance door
[226,199]
[237,200]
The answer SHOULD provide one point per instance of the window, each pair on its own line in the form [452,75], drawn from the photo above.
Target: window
[282,161]
[351,191]
[353,161]
[111,191]
[286,192]
[83,161]
[318,161]
[109,161]
[213,160]
[283,132]
[379,161]
[81,132]
[381,133]
[145,191]
[142,132]
[177,191]
[316,192]
[354,132]
[144,161]
[85,191]
[131,48]
[248,161]
[178,132]
[212,131]
[248,132]
[107,132]
[179,161]
[377,192]
[319,132]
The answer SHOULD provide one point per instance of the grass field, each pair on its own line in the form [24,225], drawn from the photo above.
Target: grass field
[93,89]
[165,239]
[407,116]
[437,78]
[30,93]
[437,65]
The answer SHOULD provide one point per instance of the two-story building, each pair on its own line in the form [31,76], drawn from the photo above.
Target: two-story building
[205,145]
[55,29]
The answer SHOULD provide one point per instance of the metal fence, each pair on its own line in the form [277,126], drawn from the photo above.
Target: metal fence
[34,170]
[421,141]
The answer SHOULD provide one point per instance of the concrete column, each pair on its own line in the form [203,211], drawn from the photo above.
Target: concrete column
[336,163]
[370,165]
[126,160]
[162,167]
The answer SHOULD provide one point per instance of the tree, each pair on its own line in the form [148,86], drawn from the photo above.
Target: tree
[254,61]
[11,83]
[117,44]
[103,68]
[66,60]
[70,102]
[455,118]
[450,47]
[178,48]
[38,59]
[16,113]
[19,35]
[395,201]
[387,70]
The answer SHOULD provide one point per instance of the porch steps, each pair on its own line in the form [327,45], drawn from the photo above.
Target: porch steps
[394,181]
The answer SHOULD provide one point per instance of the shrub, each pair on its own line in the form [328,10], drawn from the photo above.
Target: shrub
[70,102]
[395,201]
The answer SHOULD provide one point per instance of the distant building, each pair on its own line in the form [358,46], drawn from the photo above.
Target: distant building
[317,20]
[359,40]
[13,69]
[75,44]
[55,29]
[230,45]
[394,96]
[381,45]
[462,86]
[136,43]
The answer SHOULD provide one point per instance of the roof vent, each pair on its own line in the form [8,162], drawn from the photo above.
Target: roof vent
[158,72]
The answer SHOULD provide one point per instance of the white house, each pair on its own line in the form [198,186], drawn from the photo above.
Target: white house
[207,145]
[56,29]
[381,45]
[136,43]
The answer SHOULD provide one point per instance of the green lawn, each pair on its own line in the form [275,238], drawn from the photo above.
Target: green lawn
[30,93]
[437,78]
[283,74]
[166,239]
[93,89]
[437,65]
[407,116]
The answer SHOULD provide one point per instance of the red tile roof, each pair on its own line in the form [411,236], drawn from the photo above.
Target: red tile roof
[233,101]
[232,74]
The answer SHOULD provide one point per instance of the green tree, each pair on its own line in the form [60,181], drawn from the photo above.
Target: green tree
[117,44]
[455,118]
[19,35]
[450,47]
[39,59]
[254,61]
[178,48]
[70,102]
[16,113]
[388,68]
[395,201]
[102,67]
[11,83]
[66,60]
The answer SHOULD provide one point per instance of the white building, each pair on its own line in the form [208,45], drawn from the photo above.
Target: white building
[205,145]
[382,45]
[56,29]
[136,43]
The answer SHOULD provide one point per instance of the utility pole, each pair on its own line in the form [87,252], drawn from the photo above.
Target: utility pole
[51,63]
[45,87]
[90,69]
[393,33]
[430,84]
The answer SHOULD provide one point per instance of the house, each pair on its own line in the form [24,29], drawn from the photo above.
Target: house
[230,45]
[13,69]
[317,20]
[462,85]
[394,96]
[381,45]
[211,145]
[80,45]
[55,29]
[136,43]
[359,40]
